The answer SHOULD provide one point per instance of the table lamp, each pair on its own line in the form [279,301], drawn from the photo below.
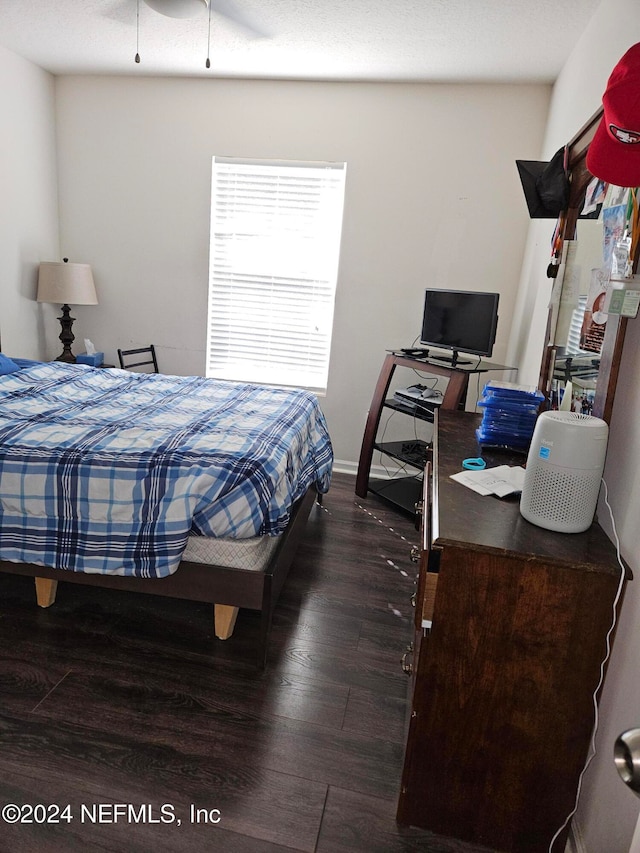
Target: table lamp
[64,284]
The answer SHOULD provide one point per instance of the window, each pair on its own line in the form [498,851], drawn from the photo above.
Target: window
[275,244]
[575,327]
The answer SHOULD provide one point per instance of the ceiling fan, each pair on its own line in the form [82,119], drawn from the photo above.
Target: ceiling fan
[178,8]
[227,9]
[190,9]
[193,8]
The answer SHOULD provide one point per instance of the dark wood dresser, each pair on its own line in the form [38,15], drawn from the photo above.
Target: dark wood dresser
[510,633]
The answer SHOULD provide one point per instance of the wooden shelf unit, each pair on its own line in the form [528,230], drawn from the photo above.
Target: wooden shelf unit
[454,398]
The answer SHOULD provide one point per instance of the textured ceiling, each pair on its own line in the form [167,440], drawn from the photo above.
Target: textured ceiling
[395,40]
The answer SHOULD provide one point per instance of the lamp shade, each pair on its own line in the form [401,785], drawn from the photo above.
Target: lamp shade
[66,284]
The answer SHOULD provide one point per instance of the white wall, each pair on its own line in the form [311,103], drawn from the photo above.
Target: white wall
[29,208]
[607,810]
[433,198]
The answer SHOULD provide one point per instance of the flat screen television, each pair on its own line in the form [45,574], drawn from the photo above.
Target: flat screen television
[460,321]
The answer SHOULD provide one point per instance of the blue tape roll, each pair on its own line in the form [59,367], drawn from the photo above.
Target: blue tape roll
[474,463]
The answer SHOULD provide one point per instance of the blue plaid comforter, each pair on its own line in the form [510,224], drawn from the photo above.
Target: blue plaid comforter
[109,471]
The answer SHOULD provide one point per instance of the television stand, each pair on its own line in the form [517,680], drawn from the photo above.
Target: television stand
[454,398]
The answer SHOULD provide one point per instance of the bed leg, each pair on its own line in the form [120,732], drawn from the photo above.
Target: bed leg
[225,620]
[45,591]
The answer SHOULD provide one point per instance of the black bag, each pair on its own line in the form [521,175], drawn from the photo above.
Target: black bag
[545,185]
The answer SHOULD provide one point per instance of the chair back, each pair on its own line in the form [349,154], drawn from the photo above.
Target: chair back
[140,357]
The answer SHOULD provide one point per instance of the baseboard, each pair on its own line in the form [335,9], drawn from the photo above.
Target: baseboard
[340,466]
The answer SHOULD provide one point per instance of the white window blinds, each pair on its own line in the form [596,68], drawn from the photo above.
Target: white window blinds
[575,327]
[275,244]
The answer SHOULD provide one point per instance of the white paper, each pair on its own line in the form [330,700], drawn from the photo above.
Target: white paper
[501,481]
[89,347]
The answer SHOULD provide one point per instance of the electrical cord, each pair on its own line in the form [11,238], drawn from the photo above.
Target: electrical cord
[475,408]
[434,387]
[590,757]
[402,469]
[477,365]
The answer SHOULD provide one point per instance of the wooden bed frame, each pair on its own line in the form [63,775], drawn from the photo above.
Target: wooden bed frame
[226,588]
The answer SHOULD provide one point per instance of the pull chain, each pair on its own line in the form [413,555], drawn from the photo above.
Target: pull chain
[208,62]
[138,31]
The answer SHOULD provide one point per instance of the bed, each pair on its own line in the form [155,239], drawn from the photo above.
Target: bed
[179,486]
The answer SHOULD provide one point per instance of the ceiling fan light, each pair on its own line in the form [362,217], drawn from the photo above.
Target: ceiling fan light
[178,8]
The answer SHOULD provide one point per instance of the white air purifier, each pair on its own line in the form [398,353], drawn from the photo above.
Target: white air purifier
[564,470]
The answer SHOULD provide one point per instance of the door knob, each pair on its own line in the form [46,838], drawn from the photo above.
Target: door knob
[626,754]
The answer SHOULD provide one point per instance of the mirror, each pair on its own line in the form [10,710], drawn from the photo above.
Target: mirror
[581,296]
[583,345]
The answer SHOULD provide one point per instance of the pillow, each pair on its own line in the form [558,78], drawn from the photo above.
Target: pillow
[25,362]
[7,365]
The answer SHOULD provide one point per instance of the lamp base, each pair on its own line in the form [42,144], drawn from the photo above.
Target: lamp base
[66,336]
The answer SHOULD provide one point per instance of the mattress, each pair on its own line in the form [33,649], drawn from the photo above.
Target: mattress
[250,554]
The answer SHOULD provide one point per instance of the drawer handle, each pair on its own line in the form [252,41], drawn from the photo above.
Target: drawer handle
[407,665]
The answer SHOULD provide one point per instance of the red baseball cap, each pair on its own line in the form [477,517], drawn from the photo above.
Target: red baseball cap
[614,153]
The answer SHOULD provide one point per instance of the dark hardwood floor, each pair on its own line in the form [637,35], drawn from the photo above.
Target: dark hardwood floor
[114,698]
